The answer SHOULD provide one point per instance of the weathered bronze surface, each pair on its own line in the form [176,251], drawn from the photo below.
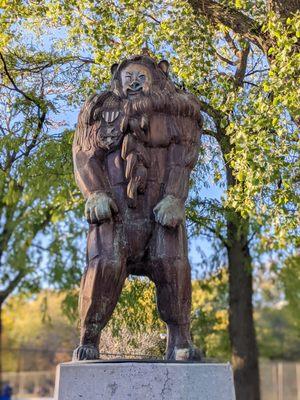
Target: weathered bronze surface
[134,148]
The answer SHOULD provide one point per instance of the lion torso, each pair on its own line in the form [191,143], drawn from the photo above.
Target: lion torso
[163,132]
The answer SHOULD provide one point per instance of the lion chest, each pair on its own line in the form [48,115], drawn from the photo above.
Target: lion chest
[159,131]
[116,166]
[140,163]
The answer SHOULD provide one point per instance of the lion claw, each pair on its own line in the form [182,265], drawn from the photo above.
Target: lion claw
[85,352]
[191,353]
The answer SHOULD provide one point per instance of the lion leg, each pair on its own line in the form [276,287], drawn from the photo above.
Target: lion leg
[171,273]
[100,289]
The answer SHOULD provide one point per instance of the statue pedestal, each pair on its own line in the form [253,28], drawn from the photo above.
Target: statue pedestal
[143,380]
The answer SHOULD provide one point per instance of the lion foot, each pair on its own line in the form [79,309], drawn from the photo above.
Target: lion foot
[190,353]
[85,352]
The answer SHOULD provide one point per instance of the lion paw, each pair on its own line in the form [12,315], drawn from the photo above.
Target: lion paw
[169,212]
[85,352]
[99,208]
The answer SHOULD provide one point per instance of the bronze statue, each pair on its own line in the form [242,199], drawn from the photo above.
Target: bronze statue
[134,149]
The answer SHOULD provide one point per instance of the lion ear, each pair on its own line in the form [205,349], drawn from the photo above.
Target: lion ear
[114,68]
[164,66]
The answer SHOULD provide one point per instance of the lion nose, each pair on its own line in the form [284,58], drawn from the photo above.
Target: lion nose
[135,85]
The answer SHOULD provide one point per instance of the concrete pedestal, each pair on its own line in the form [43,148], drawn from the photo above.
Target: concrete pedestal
[143,381]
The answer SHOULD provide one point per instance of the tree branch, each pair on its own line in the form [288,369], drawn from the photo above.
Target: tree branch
[157,21]
[41,66]
[222,58]
[202,221]
[13,82]
[41,110]
[211,133]
[209,110]
[231,44]
[233,19]
[242,66]
[11,286]
[283,8]
[257,71]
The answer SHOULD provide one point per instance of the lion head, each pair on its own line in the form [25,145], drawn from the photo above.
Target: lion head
[138,76]
[146,86]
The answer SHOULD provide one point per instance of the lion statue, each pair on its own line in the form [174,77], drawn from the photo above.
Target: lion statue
[134,149]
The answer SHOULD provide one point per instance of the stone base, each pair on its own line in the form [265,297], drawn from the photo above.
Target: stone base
[143,380]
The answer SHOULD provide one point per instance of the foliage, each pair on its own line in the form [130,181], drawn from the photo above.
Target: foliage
[41,338]
[45,336]
[136,308]
[36,187]
[135,328]
[277,310]
[290,278]
[210,315]
[278,335]
[46,327]
[261,134]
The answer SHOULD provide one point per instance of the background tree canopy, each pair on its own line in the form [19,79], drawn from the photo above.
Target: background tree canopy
[241,59]
[53,55]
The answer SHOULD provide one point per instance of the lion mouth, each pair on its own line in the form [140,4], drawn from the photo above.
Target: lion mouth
[131,92]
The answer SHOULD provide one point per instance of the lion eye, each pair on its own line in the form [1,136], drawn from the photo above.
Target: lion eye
[142,78]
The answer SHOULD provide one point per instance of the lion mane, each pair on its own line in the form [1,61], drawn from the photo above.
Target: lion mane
[163,96]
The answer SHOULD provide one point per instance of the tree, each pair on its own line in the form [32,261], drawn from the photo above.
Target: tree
[36,187]
[289,277]
[275,36]
[272,26]
[210,315]
[277,310]
[245,80]
[235,16]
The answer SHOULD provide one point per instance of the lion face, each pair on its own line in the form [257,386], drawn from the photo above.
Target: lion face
[136,80]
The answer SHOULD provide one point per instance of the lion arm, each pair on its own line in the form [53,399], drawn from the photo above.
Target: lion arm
[90,173]
[89,154]
[89,165]
[92,180]
[182,157]
[88,158]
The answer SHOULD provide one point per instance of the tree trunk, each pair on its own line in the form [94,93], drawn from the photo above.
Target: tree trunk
[284,8]
[241,324]
[240,23]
